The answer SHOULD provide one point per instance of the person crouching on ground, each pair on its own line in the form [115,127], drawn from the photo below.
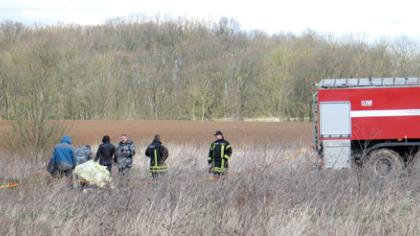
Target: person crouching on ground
[124,154]
[105,153]
[158,155]
[63,161]
[219,154]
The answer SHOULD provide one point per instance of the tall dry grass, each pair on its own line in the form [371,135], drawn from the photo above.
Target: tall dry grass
[262,195]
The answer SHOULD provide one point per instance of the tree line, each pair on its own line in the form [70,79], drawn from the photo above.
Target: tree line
[179,69]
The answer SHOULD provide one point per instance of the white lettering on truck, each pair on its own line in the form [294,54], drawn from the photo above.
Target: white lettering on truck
[367,103]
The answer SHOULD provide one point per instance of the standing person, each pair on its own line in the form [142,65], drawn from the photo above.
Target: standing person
[62,161]
[105,153]
[158,155]
[124,155]
[219,154]
[83,154]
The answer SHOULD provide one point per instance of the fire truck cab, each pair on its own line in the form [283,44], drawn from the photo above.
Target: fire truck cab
[372,122]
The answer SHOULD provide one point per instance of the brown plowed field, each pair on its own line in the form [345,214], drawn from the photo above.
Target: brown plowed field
[90,132]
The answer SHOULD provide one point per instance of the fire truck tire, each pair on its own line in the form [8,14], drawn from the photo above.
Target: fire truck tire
[414,165]
[384,163]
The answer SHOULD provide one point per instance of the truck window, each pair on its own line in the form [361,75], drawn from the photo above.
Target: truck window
[335,119]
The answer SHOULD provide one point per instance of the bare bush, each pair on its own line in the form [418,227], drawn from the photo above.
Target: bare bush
[32,138]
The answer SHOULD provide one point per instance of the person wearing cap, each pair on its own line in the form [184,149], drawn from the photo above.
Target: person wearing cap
[105,153]
[158,155]
[219,154]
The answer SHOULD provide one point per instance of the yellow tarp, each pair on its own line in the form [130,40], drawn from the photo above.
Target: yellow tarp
[94,173]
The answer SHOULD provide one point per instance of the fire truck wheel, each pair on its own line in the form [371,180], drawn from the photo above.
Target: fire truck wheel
[385,163]
[414,165]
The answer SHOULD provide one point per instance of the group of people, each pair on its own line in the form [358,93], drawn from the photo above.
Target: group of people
[122,155]
[65,158]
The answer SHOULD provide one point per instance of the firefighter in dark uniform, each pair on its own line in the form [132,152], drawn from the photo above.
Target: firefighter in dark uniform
[219,154]
[158,155]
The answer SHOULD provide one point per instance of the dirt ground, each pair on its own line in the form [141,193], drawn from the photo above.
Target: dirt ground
[91,132]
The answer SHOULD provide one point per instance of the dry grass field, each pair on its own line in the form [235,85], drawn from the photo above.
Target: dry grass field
[273,188]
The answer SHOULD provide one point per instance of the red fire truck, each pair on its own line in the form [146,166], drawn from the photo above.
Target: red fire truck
[373,122]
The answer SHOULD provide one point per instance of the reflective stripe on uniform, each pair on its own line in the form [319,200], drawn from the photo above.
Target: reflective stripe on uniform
[156,168]
[218,169]
[157,171]
[227,156]
[221,155]
[155,156]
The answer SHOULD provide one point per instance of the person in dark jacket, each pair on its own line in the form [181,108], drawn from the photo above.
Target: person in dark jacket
[124,154]
[219,154]
[62,161]
[158,155]
[105,153]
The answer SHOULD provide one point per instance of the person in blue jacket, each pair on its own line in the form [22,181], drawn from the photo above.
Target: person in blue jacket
[62,161]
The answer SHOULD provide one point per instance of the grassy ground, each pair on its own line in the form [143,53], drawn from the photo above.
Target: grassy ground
[269,191]
[273,188]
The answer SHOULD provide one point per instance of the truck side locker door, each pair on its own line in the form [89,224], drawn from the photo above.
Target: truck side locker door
[335,130]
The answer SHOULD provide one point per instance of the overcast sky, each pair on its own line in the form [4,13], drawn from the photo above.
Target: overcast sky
[372,18]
